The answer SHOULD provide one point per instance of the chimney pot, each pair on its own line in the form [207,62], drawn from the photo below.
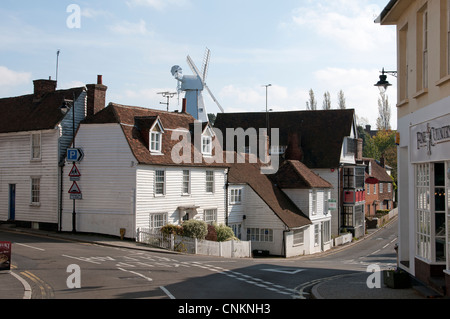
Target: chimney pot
[96,96]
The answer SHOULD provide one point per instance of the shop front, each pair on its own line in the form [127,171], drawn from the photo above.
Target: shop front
[430,158]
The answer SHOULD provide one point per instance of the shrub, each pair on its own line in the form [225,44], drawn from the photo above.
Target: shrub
[172,230]
[212,234]
[195,229]
[224,233]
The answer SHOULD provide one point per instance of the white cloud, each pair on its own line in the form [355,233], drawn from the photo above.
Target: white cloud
[360,92]
[348,22]
[130,28]
[157,4]
[12,78]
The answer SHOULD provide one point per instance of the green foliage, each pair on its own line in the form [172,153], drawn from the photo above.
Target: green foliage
[224,233]
[170,229]
[195,229]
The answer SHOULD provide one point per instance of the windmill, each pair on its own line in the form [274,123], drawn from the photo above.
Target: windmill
[194,85]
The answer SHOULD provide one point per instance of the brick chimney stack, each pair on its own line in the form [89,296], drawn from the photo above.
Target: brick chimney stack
[42,87]
[96,96]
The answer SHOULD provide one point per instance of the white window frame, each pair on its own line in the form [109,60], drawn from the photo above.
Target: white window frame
[155,142]
[262,235]
[206,145]
[157,220]
[35,190]
[425,49]
[158,182]
[186,183]
[314,202]
[235,196]
[36,146]
[210,187]
[381,188]
[316,235]
[210,216]
[326,225]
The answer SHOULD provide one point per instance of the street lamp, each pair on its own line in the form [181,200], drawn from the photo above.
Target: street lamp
[64,108]
[384,84]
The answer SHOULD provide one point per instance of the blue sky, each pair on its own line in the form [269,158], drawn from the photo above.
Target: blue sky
[324,45]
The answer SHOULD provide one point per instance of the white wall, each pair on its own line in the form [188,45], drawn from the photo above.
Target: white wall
[107,182]
[147,202]
[16,167]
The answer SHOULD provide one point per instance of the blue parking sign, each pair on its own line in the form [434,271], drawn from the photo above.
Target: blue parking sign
[74,155]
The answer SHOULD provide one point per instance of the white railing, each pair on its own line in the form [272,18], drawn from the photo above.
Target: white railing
[228,249]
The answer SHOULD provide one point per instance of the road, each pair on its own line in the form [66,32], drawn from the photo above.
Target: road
[53,267]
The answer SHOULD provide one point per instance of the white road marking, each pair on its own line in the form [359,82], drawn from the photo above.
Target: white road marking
[30,246]
[167,292]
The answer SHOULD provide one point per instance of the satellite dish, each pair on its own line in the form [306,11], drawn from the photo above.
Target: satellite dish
[194,85]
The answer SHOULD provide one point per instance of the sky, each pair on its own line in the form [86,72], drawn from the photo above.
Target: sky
[295,45]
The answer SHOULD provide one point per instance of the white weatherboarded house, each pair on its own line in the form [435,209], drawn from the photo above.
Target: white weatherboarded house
[34,136]
[142,169]
[277,212]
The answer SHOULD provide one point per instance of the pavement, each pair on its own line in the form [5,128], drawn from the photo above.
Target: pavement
[353,286]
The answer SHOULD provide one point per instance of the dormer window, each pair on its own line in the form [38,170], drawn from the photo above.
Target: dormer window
[207,140]
[155,142]
[207,145]
[155,139]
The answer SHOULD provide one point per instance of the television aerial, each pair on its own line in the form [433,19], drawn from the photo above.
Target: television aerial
[194,85]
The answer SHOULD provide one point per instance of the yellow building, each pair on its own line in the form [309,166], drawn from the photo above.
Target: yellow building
[423,45]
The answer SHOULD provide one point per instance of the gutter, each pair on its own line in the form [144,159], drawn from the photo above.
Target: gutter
[385,11]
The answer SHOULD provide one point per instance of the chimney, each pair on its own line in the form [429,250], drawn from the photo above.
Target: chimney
[294,151]
[359,150]
[96,96]
[43,87]
[184,110]
[382,161]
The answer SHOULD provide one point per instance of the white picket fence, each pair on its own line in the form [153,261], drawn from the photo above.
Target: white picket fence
[228,249]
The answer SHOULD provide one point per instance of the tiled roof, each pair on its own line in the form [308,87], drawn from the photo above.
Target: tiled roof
[321,133]
[25,113]
[294,174]
[378,173]
[129,117]
[273,196]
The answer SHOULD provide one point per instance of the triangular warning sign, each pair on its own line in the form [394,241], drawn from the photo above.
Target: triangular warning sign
[74,172]
[75,189]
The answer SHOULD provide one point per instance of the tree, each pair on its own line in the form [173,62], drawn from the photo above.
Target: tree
[384,113]
[326,101]
[312,103]
[341,100]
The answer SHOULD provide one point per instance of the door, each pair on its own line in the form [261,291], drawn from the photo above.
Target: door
[12,202]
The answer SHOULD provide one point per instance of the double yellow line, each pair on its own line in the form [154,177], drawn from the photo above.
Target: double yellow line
[46,289]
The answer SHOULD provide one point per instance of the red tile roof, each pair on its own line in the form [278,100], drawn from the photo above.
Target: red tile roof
[129,117]
[272,195]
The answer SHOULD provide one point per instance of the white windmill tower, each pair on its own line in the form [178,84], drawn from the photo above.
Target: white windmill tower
[194,85]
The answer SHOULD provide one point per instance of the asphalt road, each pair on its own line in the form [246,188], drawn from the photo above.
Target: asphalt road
[53,267]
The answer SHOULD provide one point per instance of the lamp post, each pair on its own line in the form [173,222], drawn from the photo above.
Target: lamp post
[267,107]
[65,107]
[384,84]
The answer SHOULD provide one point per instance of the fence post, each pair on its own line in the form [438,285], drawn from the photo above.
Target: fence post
[195,246]
[172,242]
[138,237]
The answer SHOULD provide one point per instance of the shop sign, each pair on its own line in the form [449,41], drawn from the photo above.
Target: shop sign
[430,141]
